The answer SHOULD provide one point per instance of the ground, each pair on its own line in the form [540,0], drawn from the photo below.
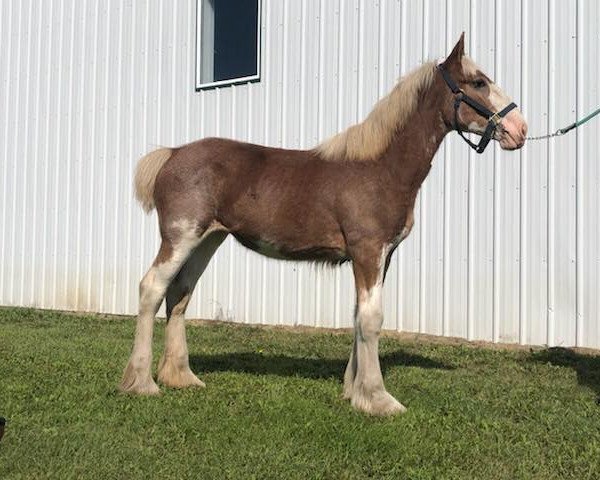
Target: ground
[272,407]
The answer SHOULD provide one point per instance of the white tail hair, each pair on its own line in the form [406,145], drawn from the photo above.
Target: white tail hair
[145,175]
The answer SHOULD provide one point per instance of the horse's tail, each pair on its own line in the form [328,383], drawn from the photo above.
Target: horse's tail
[145,175]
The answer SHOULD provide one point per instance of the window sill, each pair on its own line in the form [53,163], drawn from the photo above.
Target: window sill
[227,83]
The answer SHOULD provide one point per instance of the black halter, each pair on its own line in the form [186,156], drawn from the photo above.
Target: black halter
[493,118]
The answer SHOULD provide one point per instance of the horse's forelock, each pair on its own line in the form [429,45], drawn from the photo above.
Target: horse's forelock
[469,67]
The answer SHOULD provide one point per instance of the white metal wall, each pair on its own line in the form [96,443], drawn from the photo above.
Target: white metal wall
[505,246]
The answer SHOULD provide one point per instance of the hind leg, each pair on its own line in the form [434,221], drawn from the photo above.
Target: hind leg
[174,368]
[173,253]
[350,373]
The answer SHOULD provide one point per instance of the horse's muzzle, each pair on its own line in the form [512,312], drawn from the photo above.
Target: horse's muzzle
[512,131]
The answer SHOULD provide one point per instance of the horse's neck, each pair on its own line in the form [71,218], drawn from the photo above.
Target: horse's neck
[411,152]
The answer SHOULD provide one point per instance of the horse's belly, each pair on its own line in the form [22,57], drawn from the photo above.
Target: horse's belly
[297,252]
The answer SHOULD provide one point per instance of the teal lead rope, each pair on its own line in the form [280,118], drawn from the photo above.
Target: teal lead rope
[568,128]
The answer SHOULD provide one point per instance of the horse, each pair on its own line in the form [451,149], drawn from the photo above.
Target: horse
[350,199]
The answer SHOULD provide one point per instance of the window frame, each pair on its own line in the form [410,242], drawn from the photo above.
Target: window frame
[233,81]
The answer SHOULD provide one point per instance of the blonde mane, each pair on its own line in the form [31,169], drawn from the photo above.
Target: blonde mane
[369,139]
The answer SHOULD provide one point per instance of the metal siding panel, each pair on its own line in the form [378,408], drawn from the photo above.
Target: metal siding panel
[9,170]
[580,189]
[368,52]
[123,233]
[5,37]
[113,269]
[19,123]
[65,293]
[348,82]
[292,74]
[562,229]
[457,294]
[91,210]
[53,143]
[16,154]
[507,182]
[535,173]
[71,285]
[523,172]
[108,85]
[24,266]
[82,158]
[588,178]
[30,297]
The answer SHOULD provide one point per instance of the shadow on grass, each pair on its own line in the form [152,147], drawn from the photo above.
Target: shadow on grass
[586,366]
[313,368]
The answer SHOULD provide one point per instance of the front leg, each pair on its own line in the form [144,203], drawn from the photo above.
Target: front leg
[368,392]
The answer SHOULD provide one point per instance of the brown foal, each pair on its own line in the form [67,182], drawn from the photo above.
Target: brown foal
[350,199]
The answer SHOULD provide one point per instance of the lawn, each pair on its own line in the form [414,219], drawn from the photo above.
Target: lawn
[272,407]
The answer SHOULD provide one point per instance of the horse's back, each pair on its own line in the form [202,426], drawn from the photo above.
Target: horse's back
[217,170]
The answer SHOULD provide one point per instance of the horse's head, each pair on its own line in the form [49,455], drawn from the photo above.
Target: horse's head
[469,89]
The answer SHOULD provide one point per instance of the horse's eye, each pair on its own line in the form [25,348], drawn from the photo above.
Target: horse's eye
[479,83]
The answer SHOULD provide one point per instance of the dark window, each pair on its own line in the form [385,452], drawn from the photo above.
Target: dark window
[228,42]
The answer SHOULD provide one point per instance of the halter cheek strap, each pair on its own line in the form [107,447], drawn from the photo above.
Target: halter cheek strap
[493,119]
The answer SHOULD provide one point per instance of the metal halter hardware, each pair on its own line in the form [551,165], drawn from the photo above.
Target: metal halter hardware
[493,119]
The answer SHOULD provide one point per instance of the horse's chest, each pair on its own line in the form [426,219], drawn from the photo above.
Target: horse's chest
[406,228]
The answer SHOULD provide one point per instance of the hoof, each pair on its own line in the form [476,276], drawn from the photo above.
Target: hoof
[139,387]
[138,383]
[347,393]
[379,403]
[171,375]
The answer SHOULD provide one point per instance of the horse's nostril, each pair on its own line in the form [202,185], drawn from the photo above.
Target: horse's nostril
[524,129]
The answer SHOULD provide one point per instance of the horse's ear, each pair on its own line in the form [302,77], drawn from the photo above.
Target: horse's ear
[457,52]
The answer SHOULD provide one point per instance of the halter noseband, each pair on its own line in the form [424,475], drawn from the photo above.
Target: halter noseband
[493,119]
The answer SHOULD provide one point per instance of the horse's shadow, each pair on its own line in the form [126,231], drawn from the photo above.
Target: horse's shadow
[587,366]
[313,368]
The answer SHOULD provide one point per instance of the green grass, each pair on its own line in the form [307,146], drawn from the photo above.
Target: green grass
[272,407]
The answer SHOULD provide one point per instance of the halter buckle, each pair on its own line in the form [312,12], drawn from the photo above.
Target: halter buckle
[496,119]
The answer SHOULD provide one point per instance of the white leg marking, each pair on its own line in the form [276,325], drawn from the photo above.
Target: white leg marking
[137,377]
[368,391]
